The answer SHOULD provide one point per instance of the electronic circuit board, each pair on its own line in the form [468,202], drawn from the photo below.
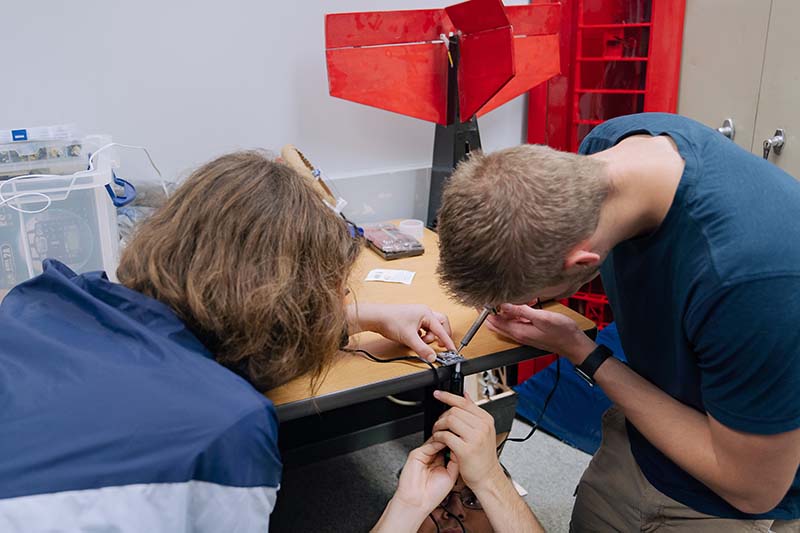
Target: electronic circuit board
[448,358]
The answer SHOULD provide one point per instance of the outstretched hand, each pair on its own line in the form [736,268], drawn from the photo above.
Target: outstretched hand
[412,325]
[549,331]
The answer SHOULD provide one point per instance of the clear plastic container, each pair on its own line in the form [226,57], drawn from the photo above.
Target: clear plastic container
[78,227]
[413,227]
[391,243]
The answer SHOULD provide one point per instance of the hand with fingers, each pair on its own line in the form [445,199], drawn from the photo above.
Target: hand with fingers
[542,329]
[470,434]
[424,482]
[412,325]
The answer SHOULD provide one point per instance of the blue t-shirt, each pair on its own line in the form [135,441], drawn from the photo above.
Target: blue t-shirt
[106,397]
[708,305]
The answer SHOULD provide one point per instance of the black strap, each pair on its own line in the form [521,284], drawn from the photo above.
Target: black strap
[587,369]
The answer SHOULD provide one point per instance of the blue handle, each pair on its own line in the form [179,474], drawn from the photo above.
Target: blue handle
[130,191]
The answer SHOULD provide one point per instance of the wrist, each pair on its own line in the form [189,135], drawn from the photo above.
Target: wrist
[605,368]
[400,517]
[360,318]
[490,481]
[580,349]
[494,489]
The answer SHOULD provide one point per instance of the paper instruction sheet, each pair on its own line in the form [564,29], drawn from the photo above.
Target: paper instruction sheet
[390,276]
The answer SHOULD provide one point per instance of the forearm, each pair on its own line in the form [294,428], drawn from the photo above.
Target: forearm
[752,472]
[506,510]
[359,318]
[680,432]
[398,518]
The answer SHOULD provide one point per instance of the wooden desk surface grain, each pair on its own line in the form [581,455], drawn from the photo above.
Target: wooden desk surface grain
[352,371]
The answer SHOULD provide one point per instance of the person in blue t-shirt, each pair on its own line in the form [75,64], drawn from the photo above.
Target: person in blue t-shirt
[118,412]
[698,245]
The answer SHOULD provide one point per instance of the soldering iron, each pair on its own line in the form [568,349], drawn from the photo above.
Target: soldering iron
[476,326]
[457,378]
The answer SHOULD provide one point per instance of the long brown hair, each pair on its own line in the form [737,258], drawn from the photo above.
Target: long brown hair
[249,257]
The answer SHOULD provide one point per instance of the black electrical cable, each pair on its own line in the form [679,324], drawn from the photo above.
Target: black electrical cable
[401,359]
[460,523]
[435,523]
[541,414]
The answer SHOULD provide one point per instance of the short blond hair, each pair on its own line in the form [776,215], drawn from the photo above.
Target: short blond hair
[509,218]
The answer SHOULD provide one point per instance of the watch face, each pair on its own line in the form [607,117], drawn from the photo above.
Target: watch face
[585,376]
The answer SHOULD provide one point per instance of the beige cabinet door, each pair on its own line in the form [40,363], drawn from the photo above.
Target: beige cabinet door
[779,101]
[723,52]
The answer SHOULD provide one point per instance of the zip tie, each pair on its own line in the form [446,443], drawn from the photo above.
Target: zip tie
[446,42]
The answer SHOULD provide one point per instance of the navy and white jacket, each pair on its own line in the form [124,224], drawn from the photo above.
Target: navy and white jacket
[113,417]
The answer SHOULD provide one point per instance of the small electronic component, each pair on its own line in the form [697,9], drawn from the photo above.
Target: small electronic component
[455,358]
[449,358]
[456,383]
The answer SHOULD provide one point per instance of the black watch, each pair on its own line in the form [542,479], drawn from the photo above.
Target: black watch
[592,362]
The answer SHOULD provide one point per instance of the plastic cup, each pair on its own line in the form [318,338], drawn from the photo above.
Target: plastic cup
[413,228]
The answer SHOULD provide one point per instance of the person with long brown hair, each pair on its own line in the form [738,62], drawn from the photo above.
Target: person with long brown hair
[136,405]
[256,265]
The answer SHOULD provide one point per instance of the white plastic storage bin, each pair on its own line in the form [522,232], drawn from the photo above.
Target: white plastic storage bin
[78,227]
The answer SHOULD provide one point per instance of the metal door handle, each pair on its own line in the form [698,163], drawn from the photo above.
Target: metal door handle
[727,128]
[774,143]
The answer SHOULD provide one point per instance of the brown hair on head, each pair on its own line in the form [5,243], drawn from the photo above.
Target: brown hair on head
[509,218]
[250,258]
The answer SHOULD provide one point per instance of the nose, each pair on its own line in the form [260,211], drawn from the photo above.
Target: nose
[454,507]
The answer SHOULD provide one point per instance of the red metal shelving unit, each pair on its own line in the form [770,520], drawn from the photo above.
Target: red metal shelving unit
[617,57]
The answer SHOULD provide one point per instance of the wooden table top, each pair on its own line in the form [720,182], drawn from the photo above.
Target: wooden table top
[353,378]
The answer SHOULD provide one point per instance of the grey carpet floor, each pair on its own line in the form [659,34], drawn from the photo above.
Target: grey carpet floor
[348,493]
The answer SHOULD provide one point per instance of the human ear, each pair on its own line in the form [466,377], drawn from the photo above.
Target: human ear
[581,257]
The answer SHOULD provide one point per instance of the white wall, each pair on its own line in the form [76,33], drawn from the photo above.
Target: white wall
[192,80]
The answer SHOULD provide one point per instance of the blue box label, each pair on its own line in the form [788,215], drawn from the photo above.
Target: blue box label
[19,135]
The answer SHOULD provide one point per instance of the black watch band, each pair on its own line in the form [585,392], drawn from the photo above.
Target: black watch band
[592,362]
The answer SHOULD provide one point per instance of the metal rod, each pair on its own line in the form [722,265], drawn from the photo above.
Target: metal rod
[474,328]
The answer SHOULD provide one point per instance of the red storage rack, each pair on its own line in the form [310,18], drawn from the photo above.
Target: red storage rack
[617,57]
[592,302]
[528,368]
